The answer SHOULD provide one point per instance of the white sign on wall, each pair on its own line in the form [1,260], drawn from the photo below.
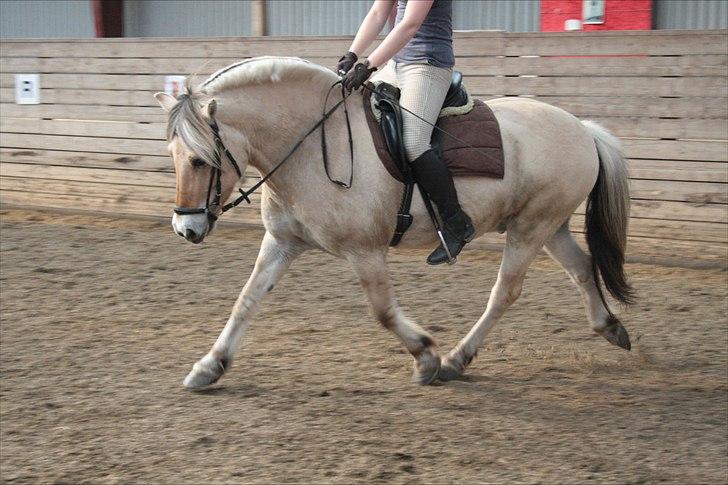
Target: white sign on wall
[27,88]
[174,85]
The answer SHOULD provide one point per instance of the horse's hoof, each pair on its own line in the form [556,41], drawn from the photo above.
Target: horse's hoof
[426,368]
[453,366]
[206,371]
[615,333]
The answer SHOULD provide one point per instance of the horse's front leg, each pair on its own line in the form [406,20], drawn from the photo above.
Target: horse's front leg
[372,272]
[274,258]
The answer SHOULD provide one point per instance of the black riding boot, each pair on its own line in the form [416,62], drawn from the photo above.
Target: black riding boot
[433,175]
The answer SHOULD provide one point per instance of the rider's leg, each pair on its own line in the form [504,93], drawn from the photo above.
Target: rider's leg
[386,74]
[424,88]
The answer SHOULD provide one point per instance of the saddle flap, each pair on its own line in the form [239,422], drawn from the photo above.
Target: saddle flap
[386,97]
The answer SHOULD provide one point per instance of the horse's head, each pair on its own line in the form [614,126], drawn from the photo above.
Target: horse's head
[205,173]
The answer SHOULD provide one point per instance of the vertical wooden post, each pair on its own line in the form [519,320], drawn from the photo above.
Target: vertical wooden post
[108,17]
[258,18]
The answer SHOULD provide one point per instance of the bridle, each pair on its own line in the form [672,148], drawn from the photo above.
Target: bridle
[210,209]
[213,209]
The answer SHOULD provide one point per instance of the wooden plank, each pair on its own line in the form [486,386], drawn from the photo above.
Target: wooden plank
[695,192]
[143,82]
[82,174]
[112,161]
[74,89]
[107,175]
[142,114]
[643,106]
[686,171]
[95,197]
[715,151]
[89,144]
[164,196]
[652,66]
[615,43]
[662,229]
[100,206]
[679,211]
[674,211]
[106,97]
[709,87]
[690,128]
[114,129]
[97,160]
[479,65]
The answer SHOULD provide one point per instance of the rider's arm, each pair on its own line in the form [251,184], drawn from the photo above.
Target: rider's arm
[414,15]
[371,26]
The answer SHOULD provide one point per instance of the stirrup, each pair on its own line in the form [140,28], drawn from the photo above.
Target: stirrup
[450,259]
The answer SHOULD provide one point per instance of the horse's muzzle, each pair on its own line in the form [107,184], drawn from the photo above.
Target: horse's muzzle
[194,237]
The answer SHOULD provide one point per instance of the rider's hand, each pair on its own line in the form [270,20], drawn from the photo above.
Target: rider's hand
[357,76]
[346,62]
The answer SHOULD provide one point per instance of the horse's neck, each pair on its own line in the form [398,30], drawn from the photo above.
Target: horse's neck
[274,117]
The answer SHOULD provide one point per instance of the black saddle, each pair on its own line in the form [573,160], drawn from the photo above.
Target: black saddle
[387,100]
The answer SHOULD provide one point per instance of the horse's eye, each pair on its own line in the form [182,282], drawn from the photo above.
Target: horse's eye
[198,162]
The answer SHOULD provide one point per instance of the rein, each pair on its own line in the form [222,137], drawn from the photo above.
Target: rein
[215,175]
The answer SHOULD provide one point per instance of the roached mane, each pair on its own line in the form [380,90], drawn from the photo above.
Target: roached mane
[264,69]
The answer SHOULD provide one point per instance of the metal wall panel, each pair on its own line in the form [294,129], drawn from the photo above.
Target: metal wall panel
[46,19]
[342,17]
[690,14]
[316,17]
[186,18]
[190,18]
[508,15]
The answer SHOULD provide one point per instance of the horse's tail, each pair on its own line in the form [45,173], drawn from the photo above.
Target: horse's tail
[607,217]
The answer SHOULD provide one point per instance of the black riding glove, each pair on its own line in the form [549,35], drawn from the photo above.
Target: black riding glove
[357,76]
[346,62]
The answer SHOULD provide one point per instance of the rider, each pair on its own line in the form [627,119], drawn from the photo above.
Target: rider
[420,55]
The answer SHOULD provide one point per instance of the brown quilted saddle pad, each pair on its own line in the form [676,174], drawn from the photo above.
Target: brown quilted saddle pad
[477,151]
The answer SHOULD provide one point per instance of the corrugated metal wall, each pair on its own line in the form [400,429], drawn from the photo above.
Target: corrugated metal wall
[342,17]
[46,19]
[186,18]
[690,14]
[194,18]
[316,17]
[191,18]
[508,15]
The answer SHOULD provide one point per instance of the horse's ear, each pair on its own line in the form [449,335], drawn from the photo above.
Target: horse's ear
[166,101]
[211,108]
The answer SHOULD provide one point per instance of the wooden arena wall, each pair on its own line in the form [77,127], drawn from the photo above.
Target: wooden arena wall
[97,140]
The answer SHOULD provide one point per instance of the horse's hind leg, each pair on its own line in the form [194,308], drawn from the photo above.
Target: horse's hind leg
[563,248]
[521,248]
[274,257]
[372,272]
